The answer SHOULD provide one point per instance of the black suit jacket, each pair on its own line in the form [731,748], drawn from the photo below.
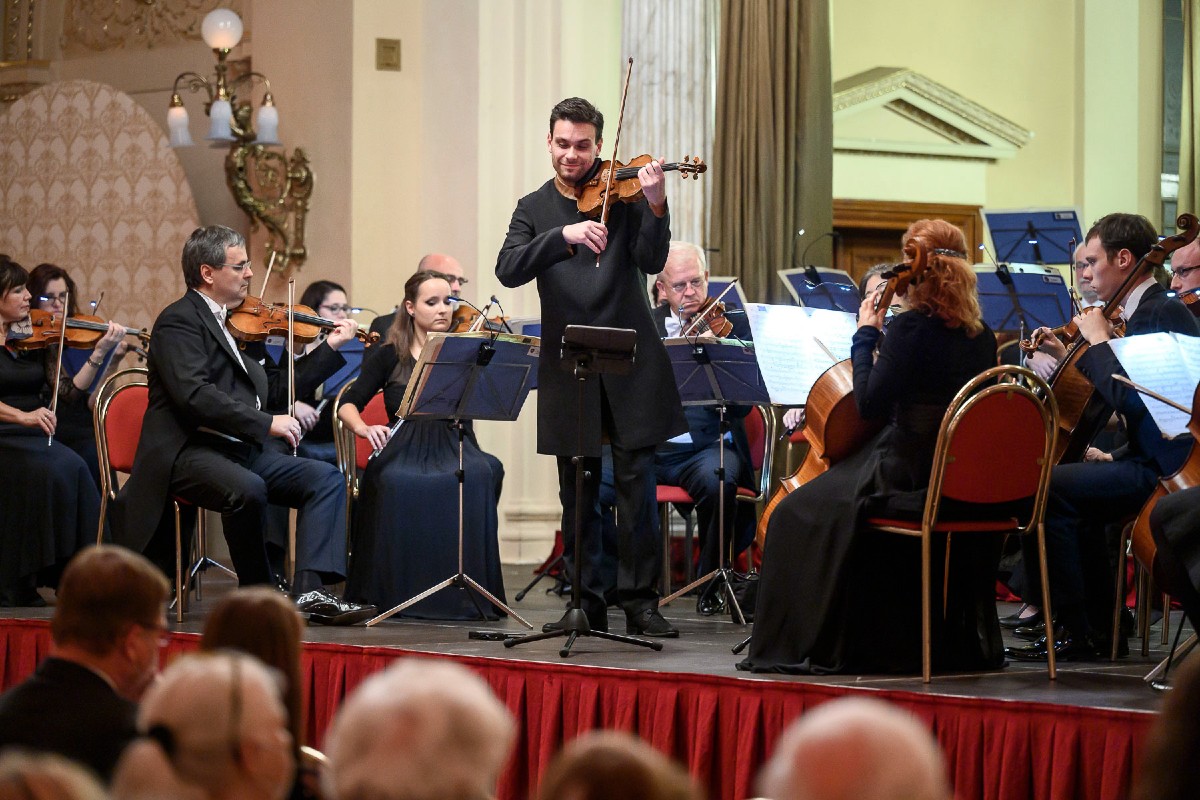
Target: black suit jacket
[382,323]
[67,709]
[1156,312]
[574,291]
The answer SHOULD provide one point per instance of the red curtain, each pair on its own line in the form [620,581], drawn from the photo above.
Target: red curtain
[723,727]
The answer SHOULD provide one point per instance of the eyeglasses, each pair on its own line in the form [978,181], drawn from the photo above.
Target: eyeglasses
[245,265]
[451,278]
[60,297]
[681,287]
[345,309]
[1183,272]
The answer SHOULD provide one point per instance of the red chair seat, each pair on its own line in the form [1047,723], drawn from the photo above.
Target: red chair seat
[672,494]
[949,525]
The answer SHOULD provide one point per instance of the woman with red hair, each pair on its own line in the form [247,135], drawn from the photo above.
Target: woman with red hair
[837,597]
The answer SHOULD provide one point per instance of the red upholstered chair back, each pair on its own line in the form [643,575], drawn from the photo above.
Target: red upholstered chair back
[373,413]
[121,403]
[756,433]
[997,441]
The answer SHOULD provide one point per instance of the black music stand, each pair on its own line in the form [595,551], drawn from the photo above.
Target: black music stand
[587,351]
[464,377]
[1017,299]
[1034,235]
[821,287]
[716,372]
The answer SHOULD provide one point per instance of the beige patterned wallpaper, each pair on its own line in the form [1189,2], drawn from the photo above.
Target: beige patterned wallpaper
[96,25]
[88,182]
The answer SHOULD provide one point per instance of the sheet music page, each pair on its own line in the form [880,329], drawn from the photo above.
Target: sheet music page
[786,344]
[1169,364]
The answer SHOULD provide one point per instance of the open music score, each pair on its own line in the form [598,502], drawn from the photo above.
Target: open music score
[1169,364]
[794,346]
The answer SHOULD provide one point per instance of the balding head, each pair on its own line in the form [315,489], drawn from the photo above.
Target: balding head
[1185,276]
[856,749]
[445,266]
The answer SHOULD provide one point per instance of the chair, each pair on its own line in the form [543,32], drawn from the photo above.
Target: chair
[121,403]
[352,451]
[996,406]
[760,433]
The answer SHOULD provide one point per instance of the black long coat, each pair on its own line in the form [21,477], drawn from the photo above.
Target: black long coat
[645,403]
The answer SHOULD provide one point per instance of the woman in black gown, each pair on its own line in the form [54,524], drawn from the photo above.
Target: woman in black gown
[837,597]
[49,506]
[406,525]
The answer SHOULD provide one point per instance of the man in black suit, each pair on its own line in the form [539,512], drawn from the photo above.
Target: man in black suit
[1087,496]
[439,263]
[692,460]
[82,700]
[594,274]
[206,438]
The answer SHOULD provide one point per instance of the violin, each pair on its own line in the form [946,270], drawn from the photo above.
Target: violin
[590,194]
[1191,299]
[468,320]
[709,317]
[83,332]
[254,320]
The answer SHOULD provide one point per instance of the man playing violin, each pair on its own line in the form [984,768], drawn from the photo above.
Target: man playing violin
[1087,496]
[550,241]
[443,266]
[1185,269]
[207,432]
[691,460]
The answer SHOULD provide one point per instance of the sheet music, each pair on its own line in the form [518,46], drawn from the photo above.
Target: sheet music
[1168,363]
[789,355]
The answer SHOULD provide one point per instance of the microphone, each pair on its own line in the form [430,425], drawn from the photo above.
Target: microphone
[803,256]
[504,322]
[454,299]
[360,309]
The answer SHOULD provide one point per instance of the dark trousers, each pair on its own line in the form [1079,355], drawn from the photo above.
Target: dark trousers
[1084,498]
[696,472]
[240,482]
[1175,524]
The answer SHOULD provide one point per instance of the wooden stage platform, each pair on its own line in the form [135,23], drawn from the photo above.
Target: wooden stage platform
[1009,734]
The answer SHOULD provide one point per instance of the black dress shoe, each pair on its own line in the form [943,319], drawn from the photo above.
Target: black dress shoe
[1030,633]
[323,608]
[710,602]
[1066,647]
[648,622]
[1017,621]
[595,623]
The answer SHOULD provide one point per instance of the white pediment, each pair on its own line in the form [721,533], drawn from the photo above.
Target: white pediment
[890,110]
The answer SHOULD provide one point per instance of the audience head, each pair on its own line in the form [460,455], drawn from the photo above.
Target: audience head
[263,623]
[215,722]
[206,254]
[1112,248]
[946,288]
[1185,267]
[26,776]
[110,615]
[683,282]
[446,267]
[48,283]
[426,308]
[1172,748]
[856,748]
[604,764]
[422,729]
[327,298]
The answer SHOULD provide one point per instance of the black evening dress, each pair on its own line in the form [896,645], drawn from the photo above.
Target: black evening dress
[50,506]
[406,523]
[836,597]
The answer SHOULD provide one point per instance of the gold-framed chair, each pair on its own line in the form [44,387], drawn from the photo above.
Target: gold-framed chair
[353,452]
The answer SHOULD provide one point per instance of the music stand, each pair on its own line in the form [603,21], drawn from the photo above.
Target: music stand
[587,351]
[716,372]
[464,377]
[1018,299]
[1034,235]
[821,287]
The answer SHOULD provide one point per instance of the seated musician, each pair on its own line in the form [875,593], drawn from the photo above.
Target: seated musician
[1051,350]
[406,524]
[691,460]
[1185,273]
[206,439]
[1175,526]
[314,407]
[50,506]
[438,263]
[1085,497]
[836,596]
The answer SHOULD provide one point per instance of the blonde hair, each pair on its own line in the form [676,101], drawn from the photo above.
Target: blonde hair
[946,288]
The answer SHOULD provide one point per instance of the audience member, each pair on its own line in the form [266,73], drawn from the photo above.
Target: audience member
[1172,748]
[25,776]
[420,730]
[214,722]
[856,748]
[107,624]
[604,764]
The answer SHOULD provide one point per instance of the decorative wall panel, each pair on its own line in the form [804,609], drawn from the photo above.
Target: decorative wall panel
[97,25]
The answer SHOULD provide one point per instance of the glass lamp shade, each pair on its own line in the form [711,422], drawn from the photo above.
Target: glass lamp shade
[220,116]
[221,29]
[177,126]
[266,122]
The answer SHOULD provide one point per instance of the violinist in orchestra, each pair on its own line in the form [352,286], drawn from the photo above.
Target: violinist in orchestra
[1085,497]
[836,596]
[406,523]
[438,263]
[691,459]
[1050,349]
[50,505]
[593,273]
[1185,272]
[206,438]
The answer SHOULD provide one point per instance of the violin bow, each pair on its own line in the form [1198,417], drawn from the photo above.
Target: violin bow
[1137,387]
[270,263]
[289,354]
[62,343]
[700,317]
[612,167]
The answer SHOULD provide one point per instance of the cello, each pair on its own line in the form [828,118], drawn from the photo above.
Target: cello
[832,425]
[1081,411]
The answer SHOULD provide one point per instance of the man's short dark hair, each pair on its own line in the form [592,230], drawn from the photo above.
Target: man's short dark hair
[103,591]
[207,246]
[579,111]
[1118,232]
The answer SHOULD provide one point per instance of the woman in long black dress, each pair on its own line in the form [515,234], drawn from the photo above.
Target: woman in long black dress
[406,526]
[837,597]
[49,506]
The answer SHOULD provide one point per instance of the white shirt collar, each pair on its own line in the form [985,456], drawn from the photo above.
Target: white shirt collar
[1135,297]
[213,306]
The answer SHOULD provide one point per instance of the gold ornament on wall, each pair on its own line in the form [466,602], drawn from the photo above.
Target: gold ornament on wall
[98,25]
